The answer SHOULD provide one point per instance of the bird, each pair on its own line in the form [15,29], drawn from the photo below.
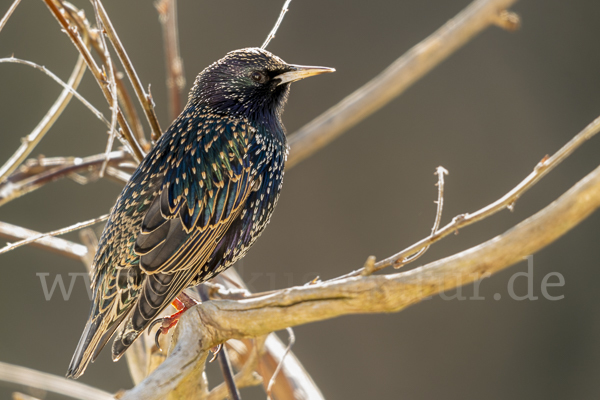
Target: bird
[197,201]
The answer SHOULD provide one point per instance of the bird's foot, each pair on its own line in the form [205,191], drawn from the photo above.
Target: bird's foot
[181,303]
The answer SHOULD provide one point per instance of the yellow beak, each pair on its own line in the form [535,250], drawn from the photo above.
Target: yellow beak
[300,72]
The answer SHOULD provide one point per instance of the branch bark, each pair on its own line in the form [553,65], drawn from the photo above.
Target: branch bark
[216,321]
[395,79]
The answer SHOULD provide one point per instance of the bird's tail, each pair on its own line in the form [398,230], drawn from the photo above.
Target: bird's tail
[98,330]
[92,334]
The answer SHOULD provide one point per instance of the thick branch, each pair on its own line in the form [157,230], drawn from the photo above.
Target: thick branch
[395,79]
[225,319]
[216,321]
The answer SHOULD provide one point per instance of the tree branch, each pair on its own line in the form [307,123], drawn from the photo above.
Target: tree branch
[216,321]
[143,98]
[10,11]
[546,165]
[62,231]
[14,188]
[167,15]
[77,17]
[52,383]
[31,141]
[99,75]
[395,79]
[55,245]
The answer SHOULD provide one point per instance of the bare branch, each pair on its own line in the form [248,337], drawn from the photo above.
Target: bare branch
[293,382]
[10,11]
[291,341]
[77,17]
[51,383]
[276,27]
[167,11]
[213,322]
[30,179]
[31,141]
[440,172]
[395,79]
[247,375]
[62,231]
[112,85]
[66,86]
[55,245]
[546,165]
[71,31]
[143,98]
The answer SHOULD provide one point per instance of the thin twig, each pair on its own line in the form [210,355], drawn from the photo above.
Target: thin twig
[66,86]
[112,87]
[71,31]
[62,231]
[370,266]
[291,341]
[32,140]
[51,383]
[226,369]
[294,381]
[143,98]
[21,183]
[440,172]
[395,79]
[546,165]
[63,247]
[77,17]
[276,27]
[10,11]
[167,11]
[246,377]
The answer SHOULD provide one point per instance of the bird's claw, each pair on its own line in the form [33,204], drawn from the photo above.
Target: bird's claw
[216,350]
[166,323]
[158,332]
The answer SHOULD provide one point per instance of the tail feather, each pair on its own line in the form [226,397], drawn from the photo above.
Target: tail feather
[96,334]
[93,332]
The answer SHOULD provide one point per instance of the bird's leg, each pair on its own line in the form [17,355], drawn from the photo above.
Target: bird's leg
[182,303]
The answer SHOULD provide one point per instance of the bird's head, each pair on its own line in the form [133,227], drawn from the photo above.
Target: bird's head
[252,82]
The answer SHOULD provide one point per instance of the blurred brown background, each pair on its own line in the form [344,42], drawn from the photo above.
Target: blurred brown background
[488,114]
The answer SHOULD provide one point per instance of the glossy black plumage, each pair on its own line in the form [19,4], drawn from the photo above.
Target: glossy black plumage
[198,200]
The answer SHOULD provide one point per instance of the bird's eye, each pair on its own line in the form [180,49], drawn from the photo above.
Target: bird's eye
[258,77]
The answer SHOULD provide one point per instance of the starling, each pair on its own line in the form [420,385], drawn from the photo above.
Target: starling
[197,201]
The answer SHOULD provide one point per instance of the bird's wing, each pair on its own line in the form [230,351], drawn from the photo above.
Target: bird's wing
[188,190]
[206,182]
